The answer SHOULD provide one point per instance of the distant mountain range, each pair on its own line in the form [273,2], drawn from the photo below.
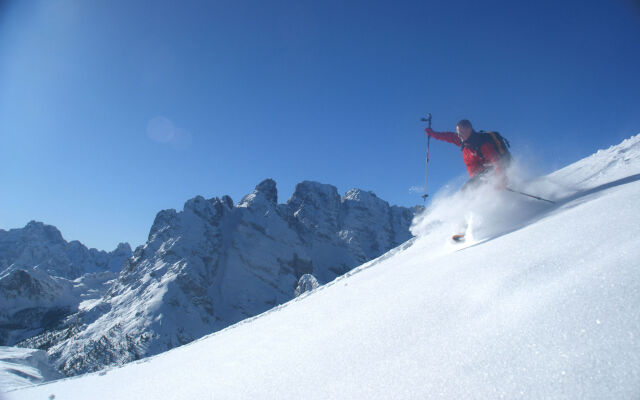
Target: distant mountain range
[44,278]
[202,269]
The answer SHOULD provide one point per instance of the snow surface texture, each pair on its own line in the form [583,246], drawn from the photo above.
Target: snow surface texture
[542,307]
[24,367]
[214,264]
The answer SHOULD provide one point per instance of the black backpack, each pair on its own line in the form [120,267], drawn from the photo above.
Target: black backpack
[500,143]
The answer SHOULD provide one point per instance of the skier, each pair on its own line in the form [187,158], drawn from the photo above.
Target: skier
[482,152]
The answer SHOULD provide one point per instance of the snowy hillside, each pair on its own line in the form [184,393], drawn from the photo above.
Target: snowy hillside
[24,367]
[542,301]
[215,263]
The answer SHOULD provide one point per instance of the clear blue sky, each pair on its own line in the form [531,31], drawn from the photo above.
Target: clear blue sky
[113,110]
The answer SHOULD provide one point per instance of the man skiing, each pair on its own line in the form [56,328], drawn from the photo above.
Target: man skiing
[482,152]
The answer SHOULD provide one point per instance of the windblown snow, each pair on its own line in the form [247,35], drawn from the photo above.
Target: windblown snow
[542,301]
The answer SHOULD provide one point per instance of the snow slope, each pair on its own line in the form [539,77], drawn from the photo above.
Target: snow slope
[544,305]
[24,367]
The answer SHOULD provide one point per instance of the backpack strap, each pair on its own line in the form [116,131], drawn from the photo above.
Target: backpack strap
[498,142]
[475,145]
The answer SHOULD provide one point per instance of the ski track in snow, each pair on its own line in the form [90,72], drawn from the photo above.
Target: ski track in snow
[543,304]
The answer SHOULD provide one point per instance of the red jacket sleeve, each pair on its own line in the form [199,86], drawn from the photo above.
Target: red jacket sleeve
[444,136]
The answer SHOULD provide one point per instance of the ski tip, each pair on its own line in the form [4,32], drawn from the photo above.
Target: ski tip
[458,238]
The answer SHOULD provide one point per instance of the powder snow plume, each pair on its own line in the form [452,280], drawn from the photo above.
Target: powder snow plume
[486,211]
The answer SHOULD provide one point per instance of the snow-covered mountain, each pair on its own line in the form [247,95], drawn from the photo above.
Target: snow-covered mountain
[541,302]
[44,278]
[215,263]
[42,247]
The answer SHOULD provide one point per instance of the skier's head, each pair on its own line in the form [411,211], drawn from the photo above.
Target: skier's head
[464,129]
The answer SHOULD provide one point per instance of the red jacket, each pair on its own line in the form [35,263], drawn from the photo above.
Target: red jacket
[474,162]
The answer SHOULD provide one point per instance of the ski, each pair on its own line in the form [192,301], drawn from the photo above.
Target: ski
[458,238]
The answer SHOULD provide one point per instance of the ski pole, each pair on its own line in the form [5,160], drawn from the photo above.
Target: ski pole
[426,170]
[530,195]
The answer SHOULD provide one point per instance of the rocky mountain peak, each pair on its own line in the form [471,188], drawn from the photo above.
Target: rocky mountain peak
[268,188]
[42,246]
[316,205]
[36,230]
[310,190]
[123,248]
[163,221]
[206,209]
[265,194]
[227,201]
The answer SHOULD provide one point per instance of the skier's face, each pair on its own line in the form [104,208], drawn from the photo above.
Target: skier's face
[463,132]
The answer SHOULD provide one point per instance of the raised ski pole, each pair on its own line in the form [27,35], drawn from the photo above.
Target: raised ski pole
[530,195]
[426,171]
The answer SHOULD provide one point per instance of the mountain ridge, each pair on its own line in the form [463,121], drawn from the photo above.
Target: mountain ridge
[215,263]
